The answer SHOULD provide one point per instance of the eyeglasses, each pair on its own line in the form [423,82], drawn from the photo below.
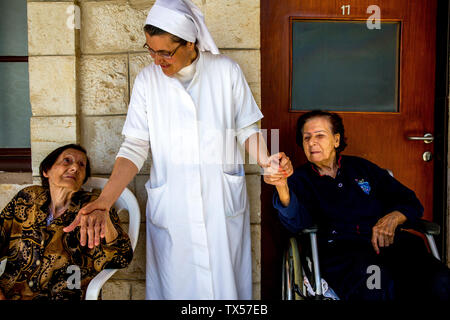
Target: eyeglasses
[162,53]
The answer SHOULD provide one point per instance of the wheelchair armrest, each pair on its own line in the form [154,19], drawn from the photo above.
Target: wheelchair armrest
[420,225]
[423,226]
[313,229]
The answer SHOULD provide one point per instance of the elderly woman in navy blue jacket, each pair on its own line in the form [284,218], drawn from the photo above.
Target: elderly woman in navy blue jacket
[358,207]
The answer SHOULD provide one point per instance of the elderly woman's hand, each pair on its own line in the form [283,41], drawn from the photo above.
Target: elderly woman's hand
[92,220]
[278,169]
[275,181]
[277,173]
[384,230]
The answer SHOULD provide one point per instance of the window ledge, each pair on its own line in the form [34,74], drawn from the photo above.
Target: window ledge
[16,177]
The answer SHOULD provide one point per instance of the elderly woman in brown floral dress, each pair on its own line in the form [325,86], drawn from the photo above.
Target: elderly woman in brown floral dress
[41,257]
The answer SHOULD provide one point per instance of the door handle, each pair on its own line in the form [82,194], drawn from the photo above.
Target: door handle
[427,138]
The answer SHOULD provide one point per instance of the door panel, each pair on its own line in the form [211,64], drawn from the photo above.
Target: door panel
[364,80]
[381,137]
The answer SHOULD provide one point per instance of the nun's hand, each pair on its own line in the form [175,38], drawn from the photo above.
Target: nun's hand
[92,221]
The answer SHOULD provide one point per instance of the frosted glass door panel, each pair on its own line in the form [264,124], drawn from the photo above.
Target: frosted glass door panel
[344,66]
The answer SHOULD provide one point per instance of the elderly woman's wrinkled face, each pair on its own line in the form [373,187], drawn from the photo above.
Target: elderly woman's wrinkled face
[163,43]
[68,171]
[319,142]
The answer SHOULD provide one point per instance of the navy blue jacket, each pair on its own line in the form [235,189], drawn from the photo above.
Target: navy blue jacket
[348,206]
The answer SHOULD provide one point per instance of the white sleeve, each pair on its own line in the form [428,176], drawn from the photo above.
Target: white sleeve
[136,124]
[135,150]
[247,111]
[244,133]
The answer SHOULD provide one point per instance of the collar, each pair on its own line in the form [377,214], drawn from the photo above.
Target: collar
[173,80]
[187,73]
[315,169]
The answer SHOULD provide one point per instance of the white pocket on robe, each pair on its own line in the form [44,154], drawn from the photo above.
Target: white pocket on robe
[234,194]
[156,205]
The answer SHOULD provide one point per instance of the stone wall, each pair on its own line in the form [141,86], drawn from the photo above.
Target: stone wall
[80,84]
[81,79]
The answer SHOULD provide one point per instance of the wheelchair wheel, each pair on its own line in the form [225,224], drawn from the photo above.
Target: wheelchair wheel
[292,274]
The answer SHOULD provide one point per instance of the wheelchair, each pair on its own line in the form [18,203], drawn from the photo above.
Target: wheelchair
[301,279]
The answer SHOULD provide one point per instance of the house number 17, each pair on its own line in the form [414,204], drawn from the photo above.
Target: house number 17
[345,7]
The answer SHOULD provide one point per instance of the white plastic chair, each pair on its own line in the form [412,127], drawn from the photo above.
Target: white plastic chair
[127,201]
[2,266]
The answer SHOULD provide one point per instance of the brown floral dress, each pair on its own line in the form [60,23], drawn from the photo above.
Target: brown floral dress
[44,262]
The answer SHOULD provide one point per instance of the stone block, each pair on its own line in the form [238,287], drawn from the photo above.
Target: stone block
[257,291]
[256,252]
[16,177]
[102,137]
[138,4]
[233,23]
[49,133]
[249,61]
[50,28]
[52,85]
[104,84]
[116,290]
[137,62]
[8,191]
[254,194]
[111,1]
[147,4]
[138,290]
[141,4]
[108,26]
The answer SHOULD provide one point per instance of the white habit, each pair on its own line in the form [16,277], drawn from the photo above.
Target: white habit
[198,219]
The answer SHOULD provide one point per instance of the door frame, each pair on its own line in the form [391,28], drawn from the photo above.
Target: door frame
[441,195]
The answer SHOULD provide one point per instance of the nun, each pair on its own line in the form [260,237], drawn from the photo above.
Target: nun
[193,107]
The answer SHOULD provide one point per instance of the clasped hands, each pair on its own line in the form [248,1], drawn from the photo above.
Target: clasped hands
[277,169]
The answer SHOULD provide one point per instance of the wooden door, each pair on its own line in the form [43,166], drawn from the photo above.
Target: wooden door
[379,136]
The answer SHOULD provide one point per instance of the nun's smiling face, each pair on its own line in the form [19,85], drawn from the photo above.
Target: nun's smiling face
[169,55]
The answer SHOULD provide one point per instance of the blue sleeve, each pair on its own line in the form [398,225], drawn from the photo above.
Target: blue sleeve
[295,217]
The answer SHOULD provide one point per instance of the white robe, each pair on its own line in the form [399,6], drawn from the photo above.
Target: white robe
[198,219]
